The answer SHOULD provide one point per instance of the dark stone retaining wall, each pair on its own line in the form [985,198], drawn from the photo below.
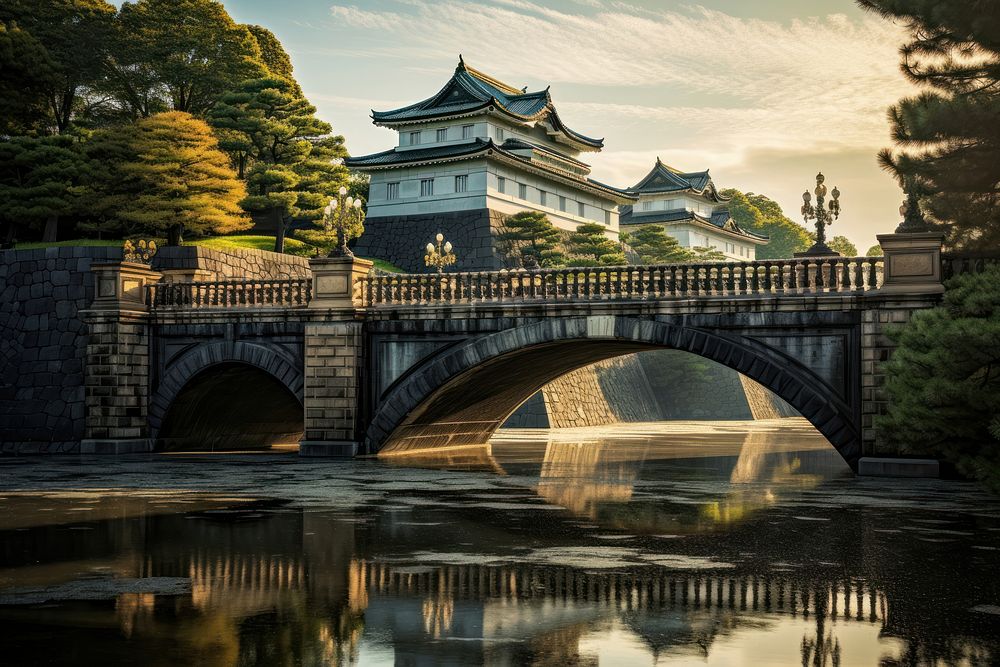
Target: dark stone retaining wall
[402,240]
[43,341]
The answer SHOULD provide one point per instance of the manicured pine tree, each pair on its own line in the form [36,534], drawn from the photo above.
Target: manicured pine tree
[707,254]
[291,162]
[655,246]
[943,380]
[39,182]
[874,251]
[530,234]
[591,247]
[948,137]
[184,182]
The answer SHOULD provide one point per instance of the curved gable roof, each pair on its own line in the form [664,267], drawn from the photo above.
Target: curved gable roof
[469,90]
[664,178]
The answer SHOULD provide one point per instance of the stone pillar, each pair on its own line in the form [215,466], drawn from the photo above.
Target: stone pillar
[116,375]
[912,263]
[333,359]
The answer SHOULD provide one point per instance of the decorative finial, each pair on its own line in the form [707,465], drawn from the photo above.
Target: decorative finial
[913,217]
[461,62]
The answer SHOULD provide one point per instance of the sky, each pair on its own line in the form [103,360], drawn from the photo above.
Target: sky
[764,93]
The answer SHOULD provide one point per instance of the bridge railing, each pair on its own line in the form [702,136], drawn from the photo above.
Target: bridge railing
[761,278]
[231,294]
[955,264]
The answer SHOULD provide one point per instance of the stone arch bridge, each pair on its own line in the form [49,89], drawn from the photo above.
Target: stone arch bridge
[370,363]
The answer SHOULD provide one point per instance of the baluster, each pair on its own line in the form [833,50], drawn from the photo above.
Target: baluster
[754,279]
[818,279]
[807,278]
[872,273]
[833,280]
[845,275]
[793,269]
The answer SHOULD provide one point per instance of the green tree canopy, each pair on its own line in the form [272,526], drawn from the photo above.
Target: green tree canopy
[28,74]
[178,54]
[184,182]
[39,182]
[655,246]
[843,245]
[874,251]
[757,213]
[532,238]
[590,246]
[273,55]
[74,34]
[707,254]
[948,137]
[943,380]
[291,162]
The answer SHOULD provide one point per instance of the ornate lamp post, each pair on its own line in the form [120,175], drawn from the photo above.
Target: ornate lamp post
[340,215]
[822,216]
[439,256]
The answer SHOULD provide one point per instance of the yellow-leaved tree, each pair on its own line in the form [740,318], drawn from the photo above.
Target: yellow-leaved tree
[181,181]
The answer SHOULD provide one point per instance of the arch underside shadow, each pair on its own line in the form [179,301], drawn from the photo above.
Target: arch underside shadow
[460,396]
[225,396]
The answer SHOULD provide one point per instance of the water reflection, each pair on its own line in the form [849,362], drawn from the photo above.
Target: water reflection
[754,550]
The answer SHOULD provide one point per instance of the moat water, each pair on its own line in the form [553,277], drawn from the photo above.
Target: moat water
[729,544]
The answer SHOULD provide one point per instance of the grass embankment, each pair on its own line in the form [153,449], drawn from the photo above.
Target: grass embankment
[292,246]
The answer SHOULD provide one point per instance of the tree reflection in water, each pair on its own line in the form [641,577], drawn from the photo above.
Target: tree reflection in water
[768,561]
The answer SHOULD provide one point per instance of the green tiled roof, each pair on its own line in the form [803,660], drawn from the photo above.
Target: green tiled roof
[663,178]
[470,90]
[721,218]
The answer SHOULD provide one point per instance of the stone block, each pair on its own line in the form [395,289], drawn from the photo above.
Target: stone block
[898,467]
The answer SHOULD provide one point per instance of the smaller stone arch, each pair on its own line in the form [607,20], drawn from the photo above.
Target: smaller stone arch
[455,398]
[193,363]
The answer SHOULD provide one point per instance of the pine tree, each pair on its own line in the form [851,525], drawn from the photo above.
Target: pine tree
[874,251]
[843,245]
[39,182]
[703,254]
[533,239]
[291,162]
[590,246]
[655,246]
[948,137]
[28,74]
[943,380]
[185,182]
[757,213]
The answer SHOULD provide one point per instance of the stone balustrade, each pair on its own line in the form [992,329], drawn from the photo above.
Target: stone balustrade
[761,278]
[231,294]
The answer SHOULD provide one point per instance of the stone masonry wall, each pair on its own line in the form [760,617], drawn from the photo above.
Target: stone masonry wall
[117,377]
[43,346]
[234,263]
[402,240]
[332,367]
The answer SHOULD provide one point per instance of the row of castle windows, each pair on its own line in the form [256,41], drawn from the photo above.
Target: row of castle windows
[441,134]
[462,185]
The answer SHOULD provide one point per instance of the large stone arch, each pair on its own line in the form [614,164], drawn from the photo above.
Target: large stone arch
[462,394]
[202,360]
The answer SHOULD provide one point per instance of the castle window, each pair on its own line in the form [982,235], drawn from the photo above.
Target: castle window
[647,206]
[461,183]
[414,138]
[427,187]
[500,134]
[467,131]
[542,197]
[581,209]
[501,185]
[562,204]
[392,190]
[522,190]
[607,218]
[442,134]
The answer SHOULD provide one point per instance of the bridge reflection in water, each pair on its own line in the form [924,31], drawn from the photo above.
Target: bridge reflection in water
[465,577]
